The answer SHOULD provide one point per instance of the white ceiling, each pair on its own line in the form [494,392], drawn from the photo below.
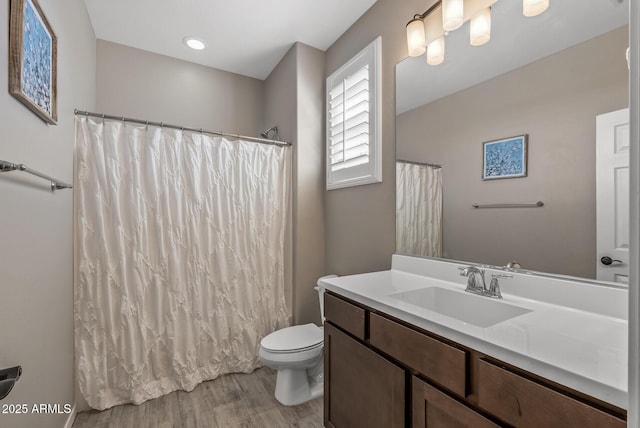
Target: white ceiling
[247,37]
[515,42]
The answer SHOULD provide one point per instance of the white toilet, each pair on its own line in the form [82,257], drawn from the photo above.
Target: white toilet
[296,353]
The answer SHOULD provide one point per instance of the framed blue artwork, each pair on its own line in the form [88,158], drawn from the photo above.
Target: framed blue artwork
[506,158]
[32,59]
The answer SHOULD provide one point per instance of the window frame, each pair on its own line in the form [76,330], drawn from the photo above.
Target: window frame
[370,172]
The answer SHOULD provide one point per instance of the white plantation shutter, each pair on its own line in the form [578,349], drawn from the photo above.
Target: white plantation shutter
[349,121]
[353,124]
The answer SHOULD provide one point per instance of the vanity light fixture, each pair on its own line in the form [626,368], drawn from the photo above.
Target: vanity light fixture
[194,43]
[452,14]
[416,37]
[480,27]
[426,32]
[435,51]
[534,7]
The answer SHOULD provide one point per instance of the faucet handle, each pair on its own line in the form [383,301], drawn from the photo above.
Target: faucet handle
[513,265]
[494,286]
[465,270]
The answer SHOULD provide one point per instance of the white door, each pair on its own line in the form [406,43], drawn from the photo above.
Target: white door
[612,196]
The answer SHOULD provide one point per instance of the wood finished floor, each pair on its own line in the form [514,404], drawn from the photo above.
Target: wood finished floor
[235,400]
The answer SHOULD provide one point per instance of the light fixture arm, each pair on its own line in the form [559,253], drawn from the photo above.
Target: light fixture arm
[428,29]
[428,11]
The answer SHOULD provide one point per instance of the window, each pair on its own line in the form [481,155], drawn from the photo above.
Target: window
[353,121]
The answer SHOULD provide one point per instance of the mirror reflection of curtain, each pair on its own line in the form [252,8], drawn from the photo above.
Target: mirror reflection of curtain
[418,209]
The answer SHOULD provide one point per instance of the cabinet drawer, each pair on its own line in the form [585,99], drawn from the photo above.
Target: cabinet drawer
[524,403]
[432,408]
[442,363]
[345,315]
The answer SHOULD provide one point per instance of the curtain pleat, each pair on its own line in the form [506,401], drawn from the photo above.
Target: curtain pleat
[180,257]
[418,209]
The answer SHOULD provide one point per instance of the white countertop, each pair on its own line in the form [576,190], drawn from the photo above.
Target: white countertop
[583,349]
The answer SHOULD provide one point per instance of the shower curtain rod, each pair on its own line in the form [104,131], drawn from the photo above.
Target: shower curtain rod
[433,165]
[182,128]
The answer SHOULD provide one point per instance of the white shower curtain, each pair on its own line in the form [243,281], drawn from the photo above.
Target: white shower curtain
[179,257]
[418,209]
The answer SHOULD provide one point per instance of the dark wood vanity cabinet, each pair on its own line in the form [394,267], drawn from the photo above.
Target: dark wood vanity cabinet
[383,372]
[432,408]
[441,363]
[525,403]
[365,389]
[347,316]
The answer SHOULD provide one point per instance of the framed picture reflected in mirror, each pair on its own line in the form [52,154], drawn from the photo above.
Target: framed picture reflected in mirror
[505,158]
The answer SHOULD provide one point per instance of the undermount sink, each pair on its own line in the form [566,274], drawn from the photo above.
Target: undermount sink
[469,308]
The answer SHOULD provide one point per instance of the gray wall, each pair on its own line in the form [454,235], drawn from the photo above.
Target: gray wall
[36,256]
[309,236]
[555,101]
[139,84]
[360,221]
[280,109]
[295,102]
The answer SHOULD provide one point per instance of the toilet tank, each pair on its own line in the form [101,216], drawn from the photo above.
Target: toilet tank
[320,291]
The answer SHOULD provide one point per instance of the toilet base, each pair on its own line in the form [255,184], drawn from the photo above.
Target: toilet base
[296,386]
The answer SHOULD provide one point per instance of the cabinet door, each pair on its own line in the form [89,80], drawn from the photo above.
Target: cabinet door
[434,409]
[362,389]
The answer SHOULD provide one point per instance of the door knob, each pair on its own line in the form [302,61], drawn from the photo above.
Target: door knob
[606,260]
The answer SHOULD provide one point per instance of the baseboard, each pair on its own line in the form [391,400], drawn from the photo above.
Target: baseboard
[72,417]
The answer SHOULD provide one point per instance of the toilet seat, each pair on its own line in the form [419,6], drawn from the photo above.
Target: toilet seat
[294,339]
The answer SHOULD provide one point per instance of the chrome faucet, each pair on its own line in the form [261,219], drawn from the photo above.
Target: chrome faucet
[473,286]
[480,287]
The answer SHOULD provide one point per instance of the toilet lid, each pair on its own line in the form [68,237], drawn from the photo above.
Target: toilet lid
[293,338]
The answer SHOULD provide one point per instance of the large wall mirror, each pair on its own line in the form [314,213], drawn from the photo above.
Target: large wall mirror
[555,80]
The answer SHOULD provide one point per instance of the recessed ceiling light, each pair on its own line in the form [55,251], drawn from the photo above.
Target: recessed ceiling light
[194,43]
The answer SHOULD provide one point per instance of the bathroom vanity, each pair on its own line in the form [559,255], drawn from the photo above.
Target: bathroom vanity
[408,347]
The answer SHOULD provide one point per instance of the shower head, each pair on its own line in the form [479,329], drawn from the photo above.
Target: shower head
[275,135]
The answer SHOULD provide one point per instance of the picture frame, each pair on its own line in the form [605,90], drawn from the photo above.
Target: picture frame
[33,59]
[505,158]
